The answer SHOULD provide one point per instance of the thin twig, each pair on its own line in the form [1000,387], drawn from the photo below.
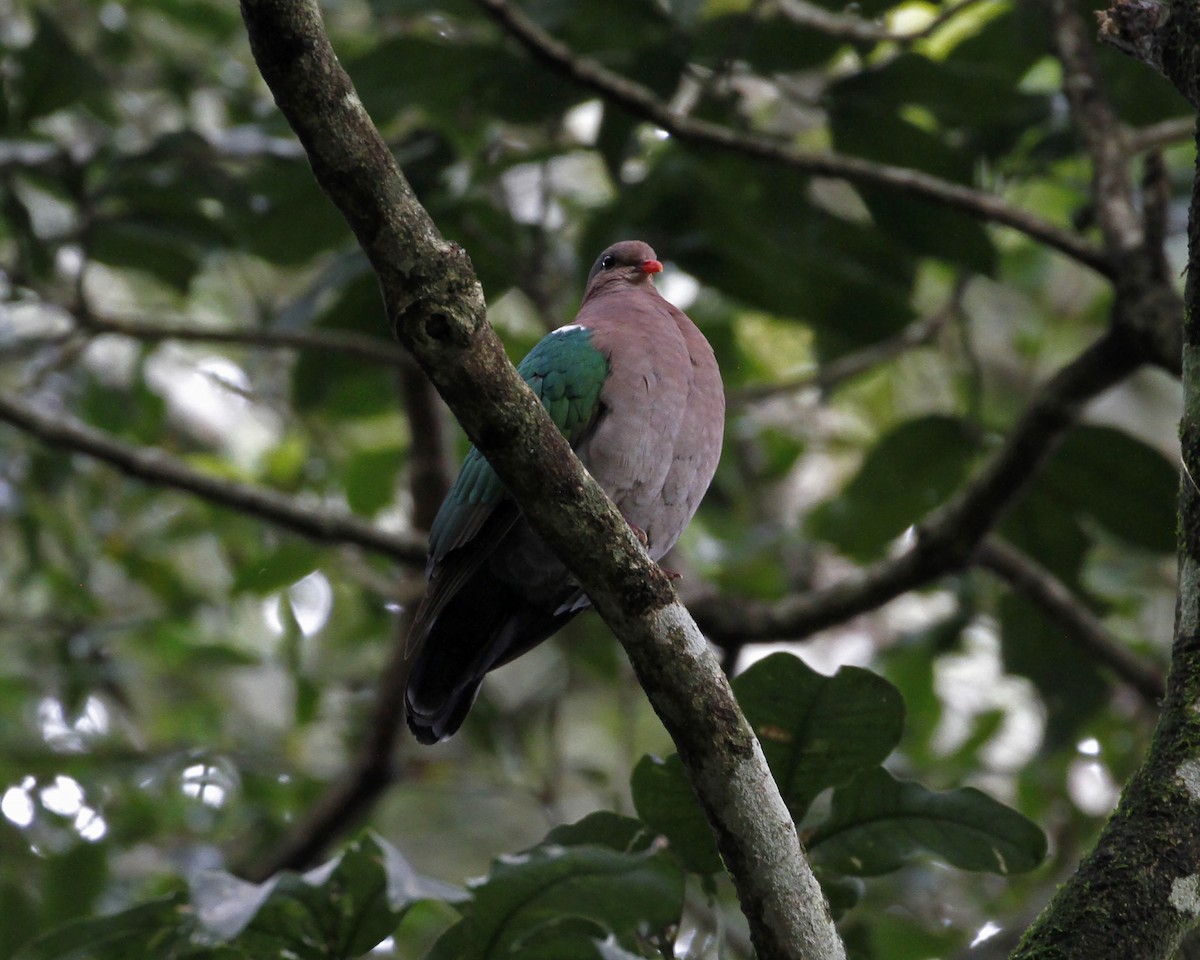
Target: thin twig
[1030,578]
[1156,206]
[1165,133]
[1146,302]
[160,469]
[857,30]
[351,796]
[644,103]
[1098,128]
[357,345]
[844,368]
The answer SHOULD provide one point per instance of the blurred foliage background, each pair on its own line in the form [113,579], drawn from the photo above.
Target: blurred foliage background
[181,683]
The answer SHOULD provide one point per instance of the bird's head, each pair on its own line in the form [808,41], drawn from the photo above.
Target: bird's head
[629,261]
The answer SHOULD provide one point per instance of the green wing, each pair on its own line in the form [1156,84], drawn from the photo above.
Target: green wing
[566,371]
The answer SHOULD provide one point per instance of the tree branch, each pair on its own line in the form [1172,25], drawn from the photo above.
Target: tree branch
[1166,133]
[437,310]
[430,472]
[1137,893]
[644,103]
[158,468]
[1027,576]
[366,348]
[947,538]
[355,792]
[350,797]
[1098,129]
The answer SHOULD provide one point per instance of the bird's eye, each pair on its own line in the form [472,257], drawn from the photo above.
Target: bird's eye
[607,262]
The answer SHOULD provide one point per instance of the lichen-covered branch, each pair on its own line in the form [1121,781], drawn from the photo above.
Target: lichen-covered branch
[1137,892]
[437,310]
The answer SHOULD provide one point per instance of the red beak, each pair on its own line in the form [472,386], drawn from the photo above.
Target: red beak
[651,266]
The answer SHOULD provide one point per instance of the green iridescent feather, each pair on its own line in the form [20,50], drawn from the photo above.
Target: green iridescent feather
[567,372]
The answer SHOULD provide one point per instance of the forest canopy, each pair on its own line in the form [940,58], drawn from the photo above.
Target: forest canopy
[939,252]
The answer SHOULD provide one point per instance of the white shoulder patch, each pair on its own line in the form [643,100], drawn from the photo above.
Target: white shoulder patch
[568,328]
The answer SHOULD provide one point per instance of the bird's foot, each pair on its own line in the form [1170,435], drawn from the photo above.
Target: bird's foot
[640,534]
[671,574]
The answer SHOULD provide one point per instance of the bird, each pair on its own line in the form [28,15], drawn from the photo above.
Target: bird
[634,386]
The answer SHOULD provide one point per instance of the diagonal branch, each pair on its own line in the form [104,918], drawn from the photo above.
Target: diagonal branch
[1165,133]
[352,795]
[158,468]
[1030,578]
[947,538]
[644,103]
[437,310]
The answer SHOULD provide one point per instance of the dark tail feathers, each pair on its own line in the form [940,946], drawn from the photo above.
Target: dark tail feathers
[485,625]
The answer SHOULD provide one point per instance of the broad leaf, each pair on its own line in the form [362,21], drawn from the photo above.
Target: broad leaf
[879,823]
[370,479]
[275,568]
[1126,486]
[341,909]
[556,900]
[912,469]
[818,731]
[664,799]
[603,829]
[153,928]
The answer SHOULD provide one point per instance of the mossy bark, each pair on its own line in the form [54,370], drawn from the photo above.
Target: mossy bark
[1137,893]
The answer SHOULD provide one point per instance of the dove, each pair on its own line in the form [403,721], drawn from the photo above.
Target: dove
[634,386]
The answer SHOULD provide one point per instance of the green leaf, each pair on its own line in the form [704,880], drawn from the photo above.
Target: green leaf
[337,385]
[760,240]
[1070,683]
[276,569]
[283,216]
[148,929]
[51,73]
[1126,486]
[74,880]
[768,43]
[603,829]
[137,413]
[843,893]
[19,915]
[912,469]
[877,824]
[370,479]
[341,909]
[156,250]
[664,799]
[1046,524]
[212,18]
[556,901]
[818,731]
[460,87]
